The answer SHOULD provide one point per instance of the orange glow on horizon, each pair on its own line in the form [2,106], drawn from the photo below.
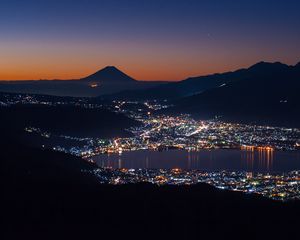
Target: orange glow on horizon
[139,73]
[150,61]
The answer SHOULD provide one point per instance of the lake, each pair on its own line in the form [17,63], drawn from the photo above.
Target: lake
[206,160]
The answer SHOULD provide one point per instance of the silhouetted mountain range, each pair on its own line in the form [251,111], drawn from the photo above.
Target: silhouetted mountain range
[106,81]
[266,93]
[198,85]
[179,89]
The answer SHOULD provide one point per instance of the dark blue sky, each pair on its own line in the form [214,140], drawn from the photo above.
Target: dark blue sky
[152,39]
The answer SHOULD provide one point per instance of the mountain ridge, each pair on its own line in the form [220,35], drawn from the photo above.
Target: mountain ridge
[197,85]
[111,83]
[267,93]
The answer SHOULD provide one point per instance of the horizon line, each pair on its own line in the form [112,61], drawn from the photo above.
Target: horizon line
[143,80]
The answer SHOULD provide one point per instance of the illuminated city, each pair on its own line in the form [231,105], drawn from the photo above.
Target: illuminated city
[159,131]
[162,133]
[275,186]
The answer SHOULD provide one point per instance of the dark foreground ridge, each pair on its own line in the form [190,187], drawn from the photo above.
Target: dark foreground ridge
[45,194]
[67,120]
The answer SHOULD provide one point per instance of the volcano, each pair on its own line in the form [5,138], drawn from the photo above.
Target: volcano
[109,74]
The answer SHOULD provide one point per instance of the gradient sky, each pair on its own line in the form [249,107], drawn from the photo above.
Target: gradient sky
[147,39]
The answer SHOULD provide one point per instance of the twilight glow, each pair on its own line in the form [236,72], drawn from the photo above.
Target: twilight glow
[149,40]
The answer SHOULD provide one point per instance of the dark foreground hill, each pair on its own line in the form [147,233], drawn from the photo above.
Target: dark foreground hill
[46,196]
[66,120]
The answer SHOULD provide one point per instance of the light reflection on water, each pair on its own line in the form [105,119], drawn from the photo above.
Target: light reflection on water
[207,160]
[262,157]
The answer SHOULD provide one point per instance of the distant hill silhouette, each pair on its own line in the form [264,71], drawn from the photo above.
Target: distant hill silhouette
[109,74]
[266,93]
[109,80]
[197,85]
[179,89]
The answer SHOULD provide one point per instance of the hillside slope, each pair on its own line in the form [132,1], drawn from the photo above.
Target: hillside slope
[268,95]
[66,120]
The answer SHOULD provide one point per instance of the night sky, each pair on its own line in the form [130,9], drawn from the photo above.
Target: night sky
[148,39]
